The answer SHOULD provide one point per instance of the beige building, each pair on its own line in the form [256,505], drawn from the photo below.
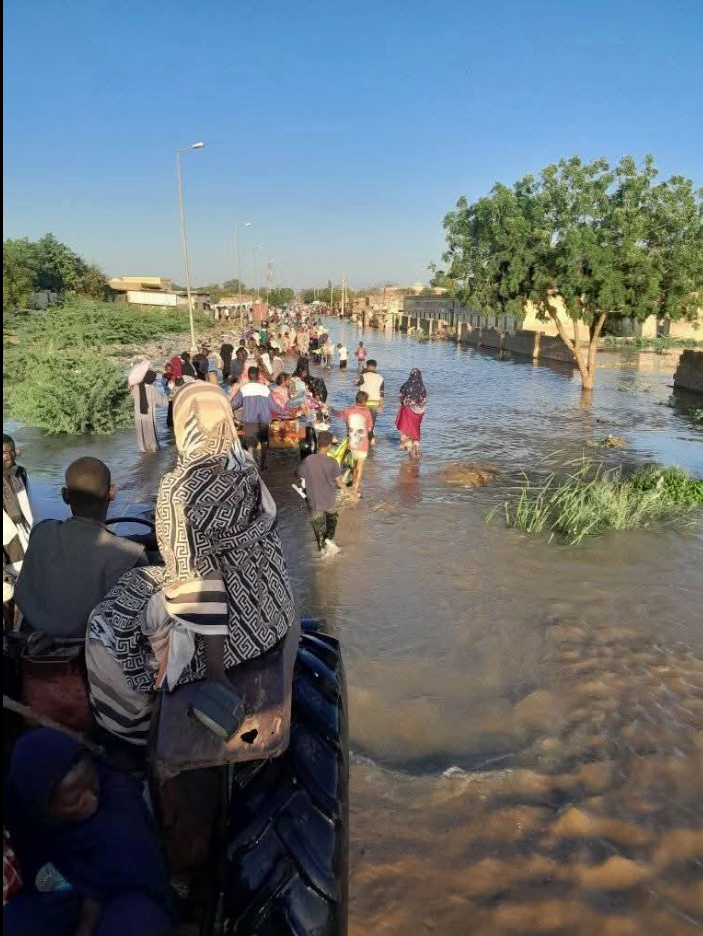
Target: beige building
[154,291]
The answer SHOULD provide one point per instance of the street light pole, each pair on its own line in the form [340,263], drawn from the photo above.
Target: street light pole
[269,277]
[256,270]
[239,254]
[184,236]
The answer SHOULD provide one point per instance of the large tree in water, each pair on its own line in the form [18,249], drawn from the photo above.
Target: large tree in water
[600,242]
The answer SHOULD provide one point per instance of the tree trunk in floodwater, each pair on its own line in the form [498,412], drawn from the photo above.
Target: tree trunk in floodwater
[587,362]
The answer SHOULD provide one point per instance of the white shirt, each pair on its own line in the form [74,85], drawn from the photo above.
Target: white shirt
[372,384]
[343,354]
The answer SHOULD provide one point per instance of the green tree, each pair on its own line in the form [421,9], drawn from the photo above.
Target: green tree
[232,287]
[282,295]
[17,273]
[441,280]
[325,295]
[58,268]
[92,283]
[610,243]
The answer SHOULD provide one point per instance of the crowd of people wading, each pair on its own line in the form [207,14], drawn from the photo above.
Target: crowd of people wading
[81,855]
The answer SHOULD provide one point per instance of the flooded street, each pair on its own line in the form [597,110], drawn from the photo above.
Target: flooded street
[526,718]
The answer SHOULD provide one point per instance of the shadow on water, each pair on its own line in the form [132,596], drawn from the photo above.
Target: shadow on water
[526,718]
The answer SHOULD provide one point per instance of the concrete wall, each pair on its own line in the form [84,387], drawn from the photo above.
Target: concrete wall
[524,343]
[451,311]
[689,374]
[691,331]
[139,297]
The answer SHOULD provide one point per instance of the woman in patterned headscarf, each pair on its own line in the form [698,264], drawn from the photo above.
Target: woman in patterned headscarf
[226,595]
[413,404]
[226,577]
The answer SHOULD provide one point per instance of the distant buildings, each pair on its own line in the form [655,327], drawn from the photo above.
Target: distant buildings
[154,291]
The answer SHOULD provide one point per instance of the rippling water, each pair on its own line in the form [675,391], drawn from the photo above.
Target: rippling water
[527,718]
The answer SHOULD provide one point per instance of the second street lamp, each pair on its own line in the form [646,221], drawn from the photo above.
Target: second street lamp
[256,269]
[241,224]
[184,235]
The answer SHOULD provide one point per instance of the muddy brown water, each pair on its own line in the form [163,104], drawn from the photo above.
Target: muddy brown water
[526,718]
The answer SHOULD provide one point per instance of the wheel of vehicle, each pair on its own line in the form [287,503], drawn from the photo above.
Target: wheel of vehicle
[287,858]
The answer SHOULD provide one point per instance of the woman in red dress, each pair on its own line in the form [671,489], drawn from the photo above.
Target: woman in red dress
[413,403]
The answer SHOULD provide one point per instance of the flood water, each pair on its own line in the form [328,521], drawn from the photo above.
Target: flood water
[526,718]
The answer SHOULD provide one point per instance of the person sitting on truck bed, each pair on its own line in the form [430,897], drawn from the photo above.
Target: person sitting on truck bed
[88,856]
[227,596]
[71,565]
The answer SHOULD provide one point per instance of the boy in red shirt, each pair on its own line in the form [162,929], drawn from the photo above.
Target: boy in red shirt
[359,426]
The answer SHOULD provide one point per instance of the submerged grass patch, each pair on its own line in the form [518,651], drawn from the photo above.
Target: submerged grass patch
[593,499]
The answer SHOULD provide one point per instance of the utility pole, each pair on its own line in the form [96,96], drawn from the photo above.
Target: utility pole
[239,255]
[269,277]
[344,294]
[184,236]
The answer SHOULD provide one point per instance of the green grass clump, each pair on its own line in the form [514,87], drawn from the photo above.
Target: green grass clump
[70,392]
[57,372]
[592,499]
[661,343]
[675,485]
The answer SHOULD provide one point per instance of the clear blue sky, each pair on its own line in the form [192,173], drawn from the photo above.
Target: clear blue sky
[343,131]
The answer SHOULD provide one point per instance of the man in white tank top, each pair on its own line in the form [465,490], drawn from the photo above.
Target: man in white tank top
[372,383]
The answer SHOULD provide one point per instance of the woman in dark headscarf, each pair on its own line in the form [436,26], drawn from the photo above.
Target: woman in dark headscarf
[88,853]
[146,399]
[413,404]
[226,352]
[188,369]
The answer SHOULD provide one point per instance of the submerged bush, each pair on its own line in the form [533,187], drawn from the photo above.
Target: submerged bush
[70,391]
[56,371]
[676,485]
[592,500]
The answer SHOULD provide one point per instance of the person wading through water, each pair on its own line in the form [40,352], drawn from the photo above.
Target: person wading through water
[359,425]
[372,383]
[188,369]
[322,476]
[258,408]
[413,404]
[146,400]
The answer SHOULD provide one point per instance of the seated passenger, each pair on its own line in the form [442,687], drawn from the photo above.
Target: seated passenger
[88,855]
[224,596]
[71,565]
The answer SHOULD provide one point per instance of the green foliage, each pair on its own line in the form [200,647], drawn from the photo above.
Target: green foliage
[675,485]
[56,372]
[442,280]
[17,274]
[592,500]
[92,283]
[278,296]
[326,295]
[57,267]
[281,296]
[47,264]
[96,325]
[662,343]
[609,242]
[69,391]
